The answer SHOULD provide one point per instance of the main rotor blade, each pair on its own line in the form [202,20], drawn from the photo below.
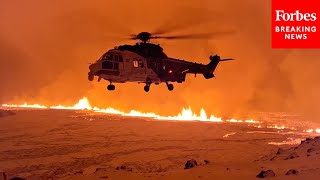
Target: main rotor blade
[182,19]
[194,36]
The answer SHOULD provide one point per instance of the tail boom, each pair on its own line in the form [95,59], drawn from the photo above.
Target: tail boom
[214,61]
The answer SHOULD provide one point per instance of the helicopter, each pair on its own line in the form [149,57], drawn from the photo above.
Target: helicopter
[146,63]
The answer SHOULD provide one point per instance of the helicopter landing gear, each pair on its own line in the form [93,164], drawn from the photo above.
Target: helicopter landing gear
[170,86]
[111,87]
[147,88]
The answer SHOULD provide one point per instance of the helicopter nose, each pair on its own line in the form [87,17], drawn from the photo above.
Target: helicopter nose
[91,67]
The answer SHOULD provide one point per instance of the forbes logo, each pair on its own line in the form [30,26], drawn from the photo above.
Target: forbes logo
[295,23]
[281,15]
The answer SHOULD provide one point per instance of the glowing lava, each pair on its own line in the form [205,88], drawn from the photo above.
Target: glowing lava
[25,105]
[83,104]
[186,114]
[313,130]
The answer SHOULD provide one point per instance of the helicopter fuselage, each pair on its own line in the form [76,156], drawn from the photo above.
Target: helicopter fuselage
[118,66]
[146,63]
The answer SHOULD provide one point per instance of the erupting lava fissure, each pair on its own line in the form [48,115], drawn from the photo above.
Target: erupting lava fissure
[186,114]
[83,104]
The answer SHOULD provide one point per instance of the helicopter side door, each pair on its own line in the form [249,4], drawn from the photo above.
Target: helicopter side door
[127,66]
[119,64]
[134,67]
[139,69]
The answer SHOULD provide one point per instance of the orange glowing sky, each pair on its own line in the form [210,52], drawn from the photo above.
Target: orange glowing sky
[45,48]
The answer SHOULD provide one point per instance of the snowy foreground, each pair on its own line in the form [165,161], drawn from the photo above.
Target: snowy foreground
[67,144]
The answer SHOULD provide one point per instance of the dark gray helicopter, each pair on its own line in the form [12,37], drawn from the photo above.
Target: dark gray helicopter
[146,63]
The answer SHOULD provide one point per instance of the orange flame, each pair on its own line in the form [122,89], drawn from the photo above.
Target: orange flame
[313,130]
[81,105]
[25,105]
[186,114]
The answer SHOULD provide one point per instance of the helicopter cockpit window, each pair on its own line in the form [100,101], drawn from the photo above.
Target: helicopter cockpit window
[108,57]
[107,65]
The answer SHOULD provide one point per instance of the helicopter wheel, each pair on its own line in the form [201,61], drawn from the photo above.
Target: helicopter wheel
[147,88]
[111,87]
[170,87]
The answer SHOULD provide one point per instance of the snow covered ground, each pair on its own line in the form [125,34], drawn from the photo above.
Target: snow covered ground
[67,144]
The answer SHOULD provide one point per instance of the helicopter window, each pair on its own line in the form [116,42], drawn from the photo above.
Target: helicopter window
[116,65]
[108,57]
[107,65]
[135,63]
[120,58]
[141,64]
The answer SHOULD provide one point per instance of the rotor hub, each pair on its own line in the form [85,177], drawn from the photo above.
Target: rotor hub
[144,36]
